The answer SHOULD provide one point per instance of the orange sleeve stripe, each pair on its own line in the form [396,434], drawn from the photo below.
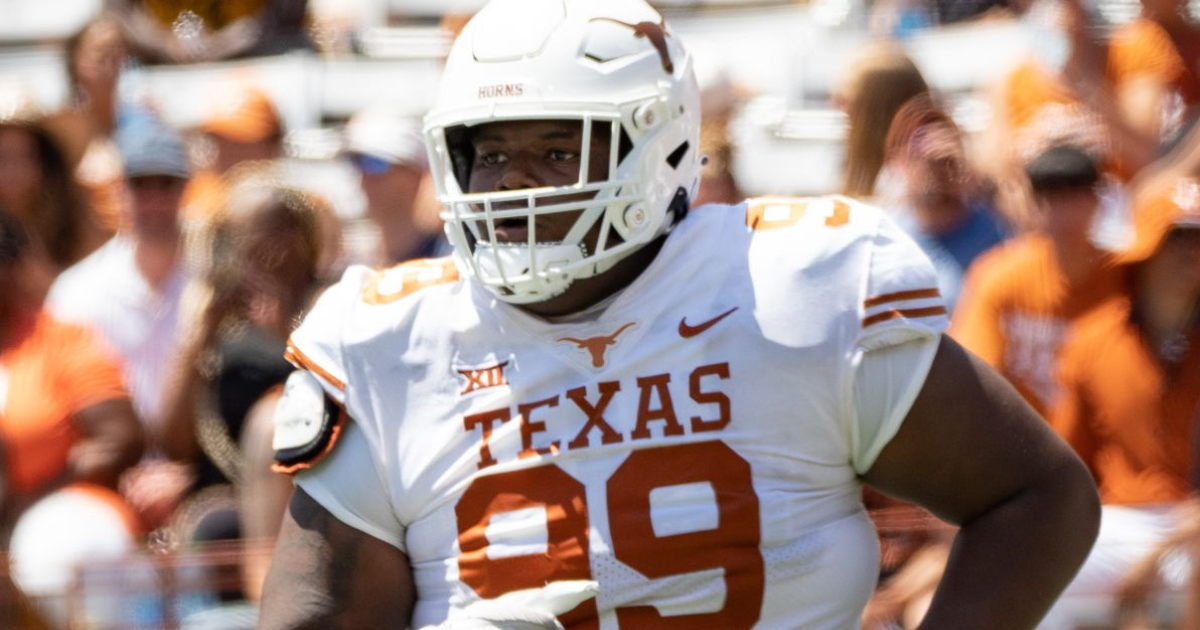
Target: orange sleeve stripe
[901,295]
[299,359]
[910,312]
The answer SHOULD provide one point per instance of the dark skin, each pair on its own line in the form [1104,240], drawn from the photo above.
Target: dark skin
[531,154]
[970,449]
[326,575]
[1026,506]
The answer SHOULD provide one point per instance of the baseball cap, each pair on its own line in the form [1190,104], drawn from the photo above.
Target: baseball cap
[383,134]
[150,147]
[243,113]
[1062,167]
[1174,205]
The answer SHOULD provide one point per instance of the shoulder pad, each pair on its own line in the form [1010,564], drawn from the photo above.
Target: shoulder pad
[307,424]
[771,213]
[406,278]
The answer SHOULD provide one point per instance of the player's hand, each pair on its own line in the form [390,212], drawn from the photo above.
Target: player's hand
[529,609]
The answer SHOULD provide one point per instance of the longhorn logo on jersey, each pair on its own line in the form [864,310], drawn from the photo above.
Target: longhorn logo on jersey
[597,346]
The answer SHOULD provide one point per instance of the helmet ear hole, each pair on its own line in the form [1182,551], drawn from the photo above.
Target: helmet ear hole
[677,155]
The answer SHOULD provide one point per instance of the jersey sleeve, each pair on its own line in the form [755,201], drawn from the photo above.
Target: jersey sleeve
[345,478]
[901,298]
[886,382]
[316,345]
[902,317]
[350,486]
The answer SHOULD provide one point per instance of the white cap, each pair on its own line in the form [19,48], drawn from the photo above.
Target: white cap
[63,532]
[382,132]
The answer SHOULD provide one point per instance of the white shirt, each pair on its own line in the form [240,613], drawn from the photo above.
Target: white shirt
[695,449]
[107,292]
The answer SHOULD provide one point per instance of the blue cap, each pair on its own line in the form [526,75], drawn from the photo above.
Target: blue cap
[150,147]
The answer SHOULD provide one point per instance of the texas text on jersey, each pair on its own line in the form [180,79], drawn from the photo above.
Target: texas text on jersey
[695,448]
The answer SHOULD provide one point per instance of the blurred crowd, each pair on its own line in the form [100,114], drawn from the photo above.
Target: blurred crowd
[150,277]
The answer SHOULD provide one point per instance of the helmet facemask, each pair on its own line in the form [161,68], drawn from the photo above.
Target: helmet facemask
[633,104]
[609,218]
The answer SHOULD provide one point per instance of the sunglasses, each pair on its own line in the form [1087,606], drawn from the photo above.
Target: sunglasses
[369,164]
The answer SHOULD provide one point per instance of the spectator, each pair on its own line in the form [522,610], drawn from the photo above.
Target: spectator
[388,151]
[96,57]
[937,204]
[1019,299]
[1153,61]
[879,80]
[182,31]
[67,417]
[67,430]
[130,289]
[242,126]
[1062,95]
[1131,380]
[38,187]
[259,260]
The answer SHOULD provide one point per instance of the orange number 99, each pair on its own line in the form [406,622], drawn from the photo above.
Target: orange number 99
[732,545]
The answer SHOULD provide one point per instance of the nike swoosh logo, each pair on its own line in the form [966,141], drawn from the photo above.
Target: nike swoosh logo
[687,331]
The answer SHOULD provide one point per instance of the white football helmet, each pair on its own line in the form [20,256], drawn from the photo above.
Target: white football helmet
[600,62]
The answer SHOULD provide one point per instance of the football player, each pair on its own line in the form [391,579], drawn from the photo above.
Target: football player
[604,384]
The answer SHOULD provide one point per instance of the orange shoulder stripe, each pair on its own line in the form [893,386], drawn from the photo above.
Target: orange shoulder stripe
[901,295]
[909,312]
[299,359]
[409,277]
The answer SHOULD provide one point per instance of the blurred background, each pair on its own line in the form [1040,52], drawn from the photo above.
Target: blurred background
[184,175]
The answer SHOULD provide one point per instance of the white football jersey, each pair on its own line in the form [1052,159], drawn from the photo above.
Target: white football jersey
[695,448]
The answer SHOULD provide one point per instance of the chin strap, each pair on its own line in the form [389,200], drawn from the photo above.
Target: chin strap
[679,206]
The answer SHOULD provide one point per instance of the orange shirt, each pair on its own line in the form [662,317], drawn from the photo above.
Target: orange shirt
[1129,420]
[52,370]
[1143,48]
[1042,111]
[1015,308]
[1030,88]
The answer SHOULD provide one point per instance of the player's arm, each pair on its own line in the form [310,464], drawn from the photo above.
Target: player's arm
[327,575]
[974,453]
